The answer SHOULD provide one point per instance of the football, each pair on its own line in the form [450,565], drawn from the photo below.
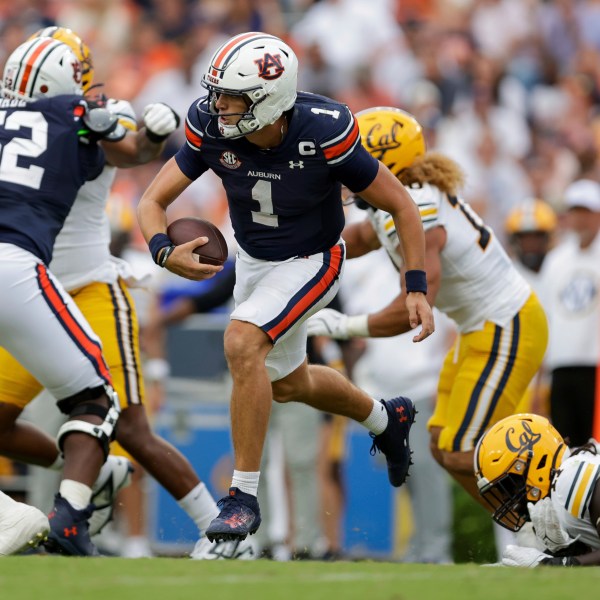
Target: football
[214,252]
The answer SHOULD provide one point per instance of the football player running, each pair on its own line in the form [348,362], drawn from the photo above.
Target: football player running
[98,284]
[48,134]
[526,472]
[502,327]
[282,156]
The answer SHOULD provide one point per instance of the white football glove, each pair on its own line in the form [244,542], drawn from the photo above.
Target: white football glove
[330,323]
[519,556]
[160,121]
[334,324]
[547,527]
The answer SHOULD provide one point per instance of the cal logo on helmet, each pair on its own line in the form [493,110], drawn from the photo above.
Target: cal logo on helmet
[514,463]
[392,136]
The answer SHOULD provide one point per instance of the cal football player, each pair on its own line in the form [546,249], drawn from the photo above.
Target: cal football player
[502,326]
[530,229]
[282,156]
[525,472]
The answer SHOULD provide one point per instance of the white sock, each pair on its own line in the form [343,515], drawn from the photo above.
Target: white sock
[246,481]
[200,506]
[58,464]
[377,421]
[77,494]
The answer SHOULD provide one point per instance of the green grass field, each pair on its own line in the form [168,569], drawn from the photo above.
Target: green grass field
[26,578]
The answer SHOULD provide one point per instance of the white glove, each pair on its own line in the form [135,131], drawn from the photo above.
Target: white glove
[330,323]
[519,556]
[334,324]
[160,121]
[547,526]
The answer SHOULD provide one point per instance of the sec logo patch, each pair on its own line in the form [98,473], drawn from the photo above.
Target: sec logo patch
[230,160]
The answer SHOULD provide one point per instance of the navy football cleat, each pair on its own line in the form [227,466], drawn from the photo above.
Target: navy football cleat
[69,530]
[239,516]
[393,442]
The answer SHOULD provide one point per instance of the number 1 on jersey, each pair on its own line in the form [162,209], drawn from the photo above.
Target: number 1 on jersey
[261,192]
[323,111]
[474,219]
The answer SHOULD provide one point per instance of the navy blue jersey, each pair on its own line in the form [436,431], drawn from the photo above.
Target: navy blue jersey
[284,201]
[42,166]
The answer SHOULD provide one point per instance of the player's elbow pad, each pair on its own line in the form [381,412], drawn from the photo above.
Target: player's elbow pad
[103,124]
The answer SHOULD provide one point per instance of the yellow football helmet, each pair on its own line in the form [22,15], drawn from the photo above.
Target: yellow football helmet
[392,136]
[514,463]
[81,50]
[531,215]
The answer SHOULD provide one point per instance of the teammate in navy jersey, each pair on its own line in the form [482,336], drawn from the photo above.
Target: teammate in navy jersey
[35,135]
[47,137]
[282,158]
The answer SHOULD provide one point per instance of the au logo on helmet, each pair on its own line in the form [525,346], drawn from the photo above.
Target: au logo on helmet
[261,68]
[76,71]
[268,62]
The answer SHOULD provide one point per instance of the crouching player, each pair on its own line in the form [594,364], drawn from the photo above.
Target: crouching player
[526,472]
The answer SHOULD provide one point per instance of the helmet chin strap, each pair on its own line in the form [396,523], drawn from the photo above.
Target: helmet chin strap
[237,130]
[229,131]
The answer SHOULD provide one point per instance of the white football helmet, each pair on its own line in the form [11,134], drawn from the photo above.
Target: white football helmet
[259,67]
[41,68]
[81,50]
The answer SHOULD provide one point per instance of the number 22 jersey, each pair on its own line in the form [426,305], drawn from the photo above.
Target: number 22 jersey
[284,201]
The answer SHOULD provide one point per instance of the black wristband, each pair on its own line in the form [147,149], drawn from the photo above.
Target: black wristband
[416,281]
[155,138]
[157,243]
[564,561]
[162,261]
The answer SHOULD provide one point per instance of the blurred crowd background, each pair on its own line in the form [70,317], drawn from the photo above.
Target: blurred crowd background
[510,89]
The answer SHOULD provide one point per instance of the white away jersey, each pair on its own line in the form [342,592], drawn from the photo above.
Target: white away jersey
[572,491]
[383,224]
[81,251]
[479,282]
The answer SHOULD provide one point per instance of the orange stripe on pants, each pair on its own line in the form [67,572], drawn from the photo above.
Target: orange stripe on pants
[307,300]
[71,324]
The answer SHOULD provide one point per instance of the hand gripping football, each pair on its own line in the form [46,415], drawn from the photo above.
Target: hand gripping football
[214,252]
